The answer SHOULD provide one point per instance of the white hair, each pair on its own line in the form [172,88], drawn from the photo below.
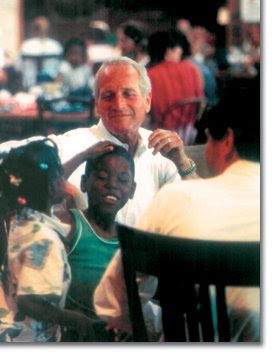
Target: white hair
[144,81]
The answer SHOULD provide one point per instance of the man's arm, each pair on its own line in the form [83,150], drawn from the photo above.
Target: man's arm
[110,299]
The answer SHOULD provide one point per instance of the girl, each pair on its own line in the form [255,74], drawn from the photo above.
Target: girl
[35,274]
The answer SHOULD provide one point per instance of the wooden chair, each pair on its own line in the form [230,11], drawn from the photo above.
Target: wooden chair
[59,122]
[39,59]
[188,110]
[185,268]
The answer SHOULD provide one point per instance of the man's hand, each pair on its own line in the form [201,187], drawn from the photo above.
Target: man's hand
[170,145]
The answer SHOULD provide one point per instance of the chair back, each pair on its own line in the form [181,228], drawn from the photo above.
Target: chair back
[39,59]
[77,111]
[182,116]
[185,268]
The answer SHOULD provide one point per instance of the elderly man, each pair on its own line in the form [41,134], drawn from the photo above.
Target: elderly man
[122,99]
[224,207]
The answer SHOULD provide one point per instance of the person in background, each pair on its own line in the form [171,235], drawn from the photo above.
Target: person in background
[122,99]
[202,44]
[98,43]
[109,183]
[209,79]
[35,273]
[133,40]
[39,44]
[225,207]
[173,79]
[74,73]
[10,79]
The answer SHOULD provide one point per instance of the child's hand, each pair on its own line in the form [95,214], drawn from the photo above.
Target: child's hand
[84,326]
[98,149]
[120,335]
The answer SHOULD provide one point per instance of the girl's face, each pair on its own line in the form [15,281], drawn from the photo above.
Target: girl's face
[57,190]
[110,185]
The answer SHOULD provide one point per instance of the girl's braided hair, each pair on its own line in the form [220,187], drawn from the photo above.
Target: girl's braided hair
[25,176]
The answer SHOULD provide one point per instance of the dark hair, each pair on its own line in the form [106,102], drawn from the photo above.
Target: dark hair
[239,108]
[134,30]
[75,41]
[160,41]
[26,173]
[97,35]
[119,151]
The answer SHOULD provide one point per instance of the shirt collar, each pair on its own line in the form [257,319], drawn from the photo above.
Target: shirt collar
[50,221]
[243,165]
[104,134]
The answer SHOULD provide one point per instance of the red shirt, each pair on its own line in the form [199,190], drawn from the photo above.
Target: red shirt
[173,81]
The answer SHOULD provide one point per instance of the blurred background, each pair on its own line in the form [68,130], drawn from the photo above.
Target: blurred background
[50,50]
[233,22]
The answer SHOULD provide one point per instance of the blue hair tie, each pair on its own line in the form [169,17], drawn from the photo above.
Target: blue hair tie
[43,166]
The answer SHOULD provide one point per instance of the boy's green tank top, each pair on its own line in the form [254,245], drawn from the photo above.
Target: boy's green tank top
[89,255]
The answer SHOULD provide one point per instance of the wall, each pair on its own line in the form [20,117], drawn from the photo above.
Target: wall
[10,26]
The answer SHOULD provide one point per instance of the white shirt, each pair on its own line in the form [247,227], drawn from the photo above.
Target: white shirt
[226,207]
[75,78]
[38,47]
[98,53]
[151,171]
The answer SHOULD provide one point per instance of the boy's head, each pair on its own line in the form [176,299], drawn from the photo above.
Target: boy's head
[109,180]
[75,52]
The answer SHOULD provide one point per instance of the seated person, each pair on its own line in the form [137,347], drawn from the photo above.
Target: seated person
[99,46]
[109,183]
[38,45]
[122,93]
[74,72]
[133,40]
[10,79]
[224,207]
[173,80]
[74,79]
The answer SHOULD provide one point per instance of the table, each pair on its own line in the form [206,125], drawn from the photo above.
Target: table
[20,125]
[23,124]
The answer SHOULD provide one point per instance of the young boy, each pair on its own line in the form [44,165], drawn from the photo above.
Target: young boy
[109,183]
[74,72]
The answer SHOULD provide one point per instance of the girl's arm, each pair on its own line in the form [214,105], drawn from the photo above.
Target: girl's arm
[36,307]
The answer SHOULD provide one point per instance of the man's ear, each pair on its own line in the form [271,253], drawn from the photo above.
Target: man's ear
[229,147]
[133,188]
[229,140]
[83,183]
[96,114]
[148,102]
